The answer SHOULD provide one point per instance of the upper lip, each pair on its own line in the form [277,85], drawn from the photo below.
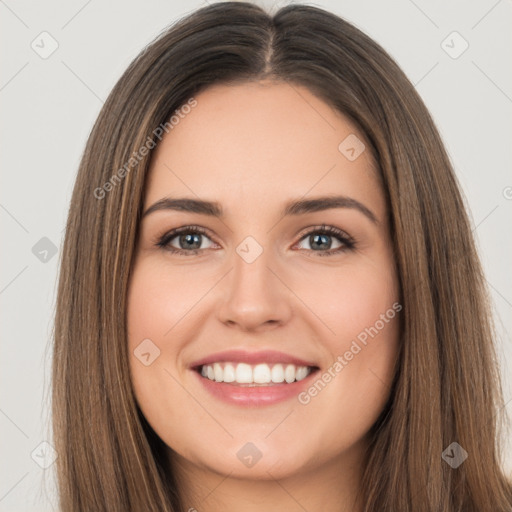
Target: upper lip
[243,356]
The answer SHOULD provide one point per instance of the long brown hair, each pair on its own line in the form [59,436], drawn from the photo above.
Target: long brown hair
[447,387]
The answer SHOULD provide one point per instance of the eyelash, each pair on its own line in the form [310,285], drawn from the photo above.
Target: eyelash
[347,241]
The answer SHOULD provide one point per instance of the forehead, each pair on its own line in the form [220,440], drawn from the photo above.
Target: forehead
[256,143]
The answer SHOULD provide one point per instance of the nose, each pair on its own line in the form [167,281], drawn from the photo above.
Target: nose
[254,296]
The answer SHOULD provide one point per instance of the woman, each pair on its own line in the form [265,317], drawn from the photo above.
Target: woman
[269,294]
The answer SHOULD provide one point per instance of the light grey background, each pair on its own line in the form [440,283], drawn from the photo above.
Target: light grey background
[48,106]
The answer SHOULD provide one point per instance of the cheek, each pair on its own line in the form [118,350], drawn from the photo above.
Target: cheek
[349,299]
[361,309]
[162,304]
[153,307]
[157,299]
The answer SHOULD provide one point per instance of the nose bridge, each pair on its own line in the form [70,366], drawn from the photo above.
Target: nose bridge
[252,294]
[251,268]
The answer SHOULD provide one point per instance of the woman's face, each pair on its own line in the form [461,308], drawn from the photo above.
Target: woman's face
[264,281]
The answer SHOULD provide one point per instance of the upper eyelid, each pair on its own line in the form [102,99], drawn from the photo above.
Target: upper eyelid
[171,234]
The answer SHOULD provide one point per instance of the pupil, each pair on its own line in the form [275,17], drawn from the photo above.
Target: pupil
[321,239]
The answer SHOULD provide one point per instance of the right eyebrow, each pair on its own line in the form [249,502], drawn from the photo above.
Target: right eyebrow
[186,205]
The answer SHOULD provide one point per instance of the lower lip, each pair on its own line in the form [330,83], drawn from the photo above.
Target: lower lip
[255,395]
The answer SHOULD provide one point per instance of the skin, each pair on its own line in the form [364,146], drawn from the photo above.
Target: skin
[252,147]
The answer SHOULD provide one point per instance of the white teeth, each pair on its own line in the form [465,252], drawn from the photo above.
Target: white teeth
[289,373]
[277,373]
[218,373]
[242,373]
[229,373]
[302,373]
[261,374]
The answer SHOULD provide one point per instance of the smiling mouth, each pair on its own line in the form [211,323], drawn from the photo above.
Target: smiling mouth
[254,375]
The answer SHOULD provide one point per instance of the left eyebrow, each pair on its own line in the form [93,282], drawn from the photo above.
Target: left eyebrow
[295,207]
[326,203]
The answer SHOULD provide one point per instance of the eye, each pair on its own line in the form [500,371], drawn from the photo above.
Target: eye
[187,240]
[320,240]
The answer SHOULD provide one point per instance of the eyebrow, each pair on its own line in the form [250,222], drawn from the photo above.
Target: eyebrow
[299,207]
